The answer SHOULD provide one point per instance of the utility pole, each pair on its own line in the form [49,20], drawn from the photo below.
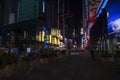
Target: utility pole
[58,15]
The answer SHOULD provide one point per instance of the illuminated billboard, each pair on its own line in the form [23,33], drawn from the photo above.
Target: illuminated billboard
[93,4]
[113,15]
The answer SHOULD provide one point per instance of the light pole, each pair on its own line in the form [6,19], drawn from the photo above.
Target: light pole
[63,20]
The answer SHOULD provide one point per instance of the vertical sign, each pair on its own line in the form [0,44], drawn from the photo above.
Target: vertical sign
[92,11]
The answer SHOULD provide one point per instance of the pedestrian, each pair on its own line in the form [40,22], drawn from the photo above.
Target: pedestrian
[69,49]
[92,55]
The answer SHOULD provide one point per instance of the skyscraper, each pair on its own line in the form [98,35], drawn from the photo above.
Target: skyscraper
[29,9]
[1,12]
[9,11]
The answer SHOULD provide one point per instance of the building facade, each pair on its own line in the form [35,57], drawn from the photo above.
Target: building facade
[106,29]
[21,19]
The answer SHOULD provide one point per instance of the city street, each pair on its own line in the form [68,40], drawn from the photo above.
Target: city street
[74,67]
[59,40]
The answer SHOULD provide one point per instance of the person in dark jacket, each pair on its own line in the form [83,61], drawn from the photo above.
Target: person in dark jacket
[92,55]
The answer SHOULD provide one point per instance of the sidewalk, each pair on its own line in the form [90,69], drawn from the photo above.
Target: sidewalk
[76,67]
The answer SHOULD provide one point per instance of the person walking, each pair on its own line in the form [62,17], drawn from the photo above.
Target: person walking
[92,55]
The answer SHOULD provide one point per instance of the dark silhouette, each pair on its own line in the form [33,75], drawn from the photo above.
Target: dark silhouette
[92,55]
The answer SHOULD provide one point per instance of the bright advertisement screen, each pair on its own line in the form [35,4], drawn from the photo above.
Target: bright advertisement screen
[113,15]
[93,4]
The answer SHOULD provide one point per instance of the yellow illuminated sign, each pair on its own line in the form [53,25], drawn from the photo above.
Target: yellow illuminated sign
[49,37]
[54,32]
[37,37]
[54,40]
[41,36]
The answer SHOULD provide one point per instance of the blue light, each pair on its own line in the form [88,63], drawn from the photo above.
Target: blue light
[113,18]
[44,28]
[102,5]
[99,7]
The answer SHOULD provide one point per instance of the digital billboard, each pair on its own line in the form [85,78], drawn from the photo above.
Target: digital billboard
[113,15]
[93,4]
